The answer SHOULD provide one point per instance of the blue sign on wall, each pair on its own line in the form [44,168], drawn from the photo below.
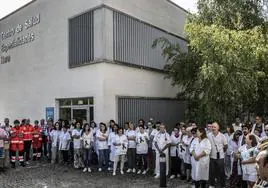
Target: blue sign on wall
[50,113]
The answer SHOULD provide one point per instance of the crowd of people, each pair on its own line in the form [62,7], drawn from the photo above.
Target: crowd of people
[202,156]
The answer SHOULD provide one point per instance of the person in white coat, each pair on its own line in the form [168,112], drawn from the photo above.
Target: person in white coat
[182,150]
[174,153]
[227,158]
[162,142]
[247,156]
[131,151]
[55,139]
[78,155]
[187,140]
[233,145]
[102,138]
[87,139]
[201,155]
[192,148]
[64,145]
[142,140]
[111,137]
[120,142]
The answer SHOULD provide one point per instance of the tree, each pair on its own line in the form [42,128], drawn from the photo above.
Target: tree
[224,70]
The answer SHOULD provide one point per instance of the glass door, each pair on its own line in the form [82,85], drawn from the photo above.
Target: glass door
[81,114]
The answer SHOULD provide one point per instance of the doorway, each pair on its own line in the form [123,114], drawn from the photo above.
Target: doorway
[78,108]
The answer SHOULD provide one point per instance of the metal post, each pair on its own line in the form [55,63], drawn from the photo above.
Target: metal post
[163,179]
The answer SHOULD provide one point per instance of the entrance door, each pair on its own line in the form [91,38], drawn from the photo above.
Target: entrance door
[81,114]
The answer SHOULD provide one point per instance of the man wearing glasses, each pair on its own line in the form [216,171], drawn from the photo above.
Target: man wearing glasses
[259,125]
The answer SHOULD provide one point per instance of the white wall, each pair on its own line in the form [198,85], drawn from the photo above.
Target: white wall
[128,81]
[38,72]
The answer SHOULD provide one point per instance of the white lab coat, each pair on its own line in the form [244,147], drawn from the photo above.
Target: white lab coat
[233,149]
[112,147]
[249,170]
[193,162]
[200,169]
[187,142]
[174,149]
[182,148]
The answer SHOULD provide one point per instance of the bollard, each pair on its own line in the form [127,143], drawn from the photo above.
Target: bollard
[163,178]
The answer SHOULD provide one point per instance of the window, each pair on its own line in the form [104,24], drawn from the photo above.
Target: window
[81,39]
[77,108]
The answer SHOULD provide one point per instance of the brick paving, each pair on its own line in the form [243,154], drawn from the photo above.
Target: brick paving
[43,175]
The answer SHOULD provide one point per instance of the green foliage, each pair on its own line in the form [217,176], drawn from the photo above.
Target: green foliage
[224,73]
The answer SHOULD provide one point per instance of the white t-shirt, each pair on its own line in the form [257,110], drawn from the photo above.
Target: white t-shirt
[123,141]
[102,144]
[87,139]
[65,139]
[55,136]
[131,133]
[142,143]
[217,144]
[162,139]
[77,141]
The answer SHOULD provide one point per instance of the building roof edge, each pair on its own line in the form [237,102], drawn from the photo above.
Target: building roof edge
[24,6]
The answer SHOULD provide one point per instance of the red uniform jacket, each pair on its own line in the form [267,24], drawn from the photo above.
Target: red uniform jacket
[28,132]
[37,137]
[16,139]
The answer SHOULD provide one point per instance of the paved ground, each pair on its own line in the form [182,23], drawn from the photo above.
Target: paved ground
[42,175]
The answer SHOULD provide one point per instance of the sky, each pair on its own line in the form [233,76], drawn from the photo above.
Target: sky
[8,6]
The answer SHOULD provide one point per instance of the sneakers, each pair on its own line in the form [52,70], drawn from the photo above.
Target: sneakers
[122,172]
[139,172]
[85,169]
[128,170]
[109,169]
[172,177]
[27,163]
[178,175]
[114,173]
[134,170]
[100,169]
[88,169]
[144,172]
[157,176]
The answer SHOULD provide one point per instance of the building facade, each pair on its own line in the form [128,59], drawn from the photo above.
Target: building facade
[89,59]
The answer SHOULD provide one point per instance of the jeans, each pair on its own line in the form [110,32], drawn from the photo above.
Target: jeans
[216,170]
[27,148]
[142,161]
[131,157]
[87,157]
[103,159]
